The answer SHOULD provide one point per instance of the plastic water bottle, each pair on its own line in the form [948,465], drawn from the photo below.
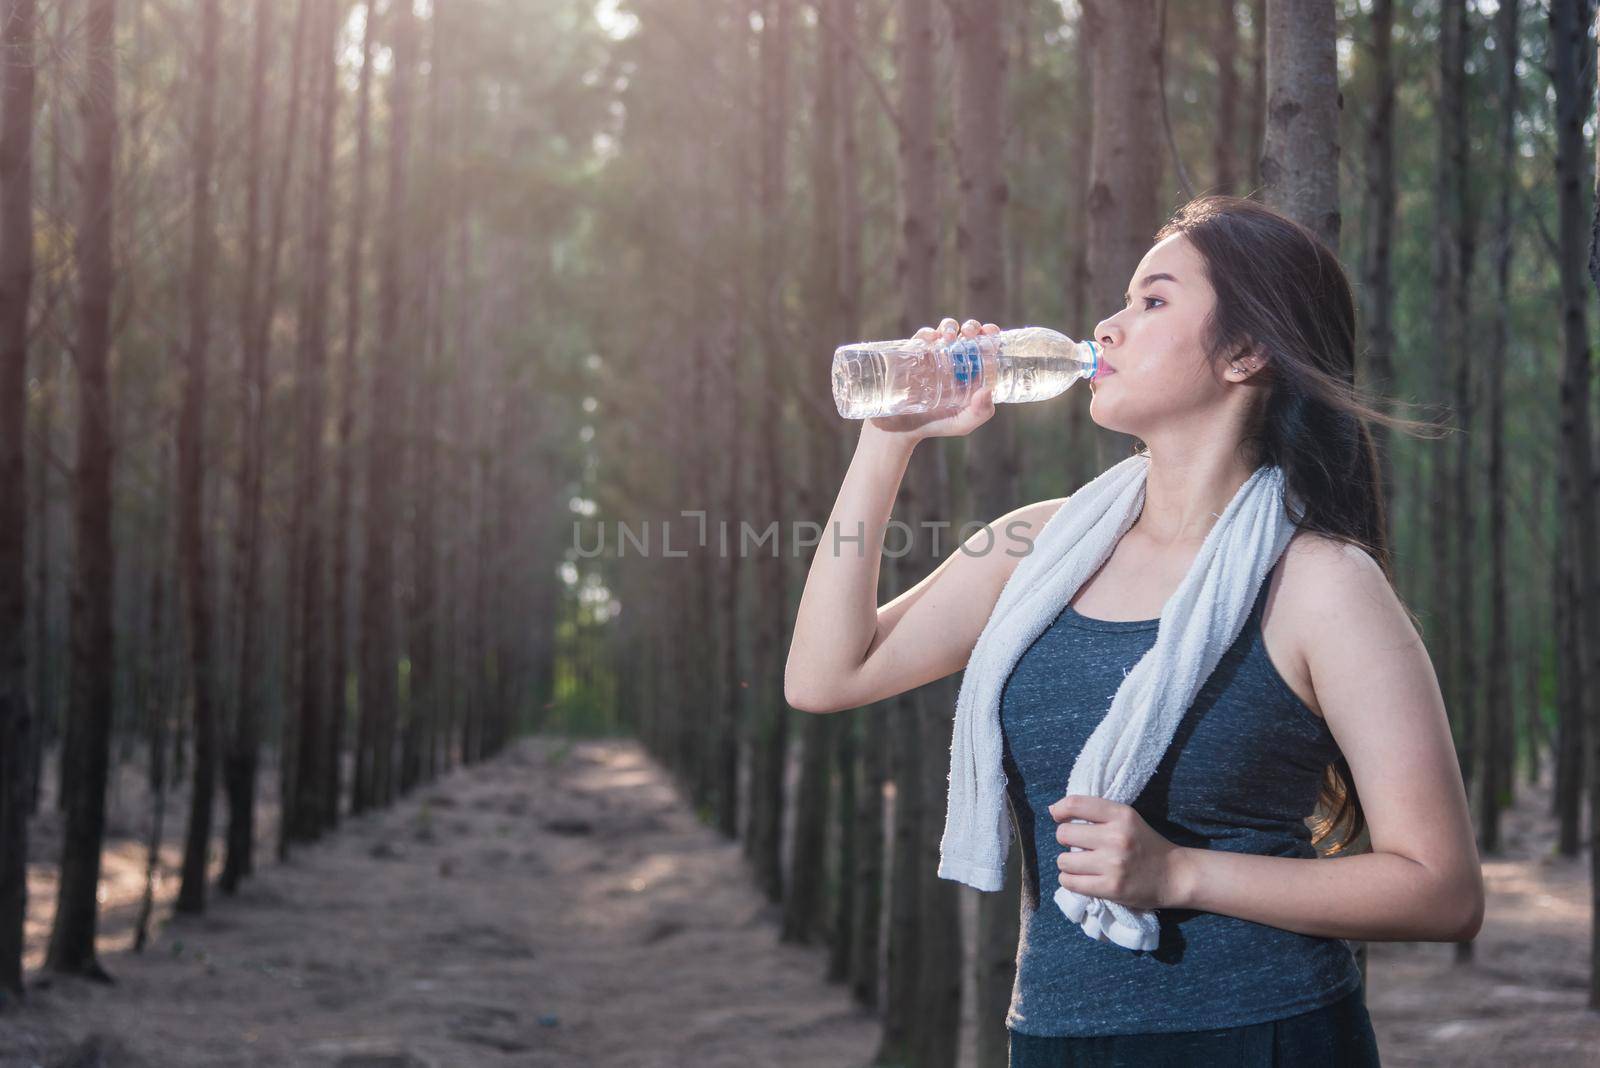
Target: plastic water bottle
[1030,363]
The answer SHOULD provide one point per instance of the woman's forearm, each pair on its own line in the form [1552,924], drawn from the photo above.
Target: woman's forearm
[1375,897]
[838,614]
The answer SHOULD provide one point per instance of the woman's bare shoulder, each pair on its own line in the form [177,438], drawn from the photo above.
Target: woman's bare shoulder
[1016,531]
[1321,572]
[1320,561]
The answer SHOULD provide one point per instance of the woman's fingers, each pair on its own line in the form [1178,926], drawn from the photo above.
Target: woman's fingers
[949,329]
[927,333]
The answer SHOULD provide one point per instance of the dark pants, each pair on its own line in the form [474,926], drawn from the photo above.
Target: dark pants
[1336,1036]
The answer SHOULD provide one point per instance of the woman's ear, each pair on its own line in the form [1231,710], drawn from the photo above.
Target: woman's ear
[1249,361]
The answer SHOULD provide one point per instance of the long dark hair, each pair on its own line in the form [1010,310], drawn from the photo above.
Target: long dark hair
[1281,291]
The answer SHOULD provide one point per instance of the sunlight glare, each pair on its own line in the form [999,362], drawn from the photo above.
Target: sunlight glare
[618,25]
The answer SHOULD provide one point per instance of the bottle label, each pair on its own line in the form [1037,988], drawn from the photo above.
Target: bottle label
[964,359]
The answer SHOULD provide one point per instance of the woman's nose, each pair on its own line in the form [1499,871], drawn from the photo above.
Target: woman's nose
[1107,332]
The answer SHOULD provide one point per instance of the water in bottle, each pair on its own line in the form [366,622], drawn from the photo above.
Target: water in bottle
[1031,363]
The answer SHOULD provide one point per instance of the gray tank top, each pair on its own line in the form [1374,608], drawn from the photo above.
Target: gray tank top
[1242,774]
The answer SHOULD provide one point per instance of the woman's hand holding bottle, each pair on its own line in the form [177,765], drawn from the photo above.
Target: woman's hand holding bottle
[907,430]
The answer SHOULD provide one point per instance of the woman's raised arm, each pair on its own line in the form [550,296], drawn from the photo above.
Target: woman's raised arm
[846,650]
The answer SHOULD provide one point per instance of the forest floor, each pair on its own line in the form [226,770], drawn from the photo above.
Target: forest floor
[561,905]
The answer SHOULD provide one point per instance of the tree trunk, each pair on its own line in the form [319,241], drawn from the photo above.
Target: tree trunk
[155,699]
[379,627]
[1535,646]
[260,303]
[993,458]
[252,610]
[804,912]
[704,689]
[87,741]
[1580,711]
[861,763]
[304,811]
[1300,160]
[1463,611]
[16,284]
[773,713]
[902,1011]
[865,964]
[936,1037]
[486,475]
[905,1014]
[350,385]
[849,748]
[1377,281]
[928,1006]
[46,548]
[1567,795]
[1592,597]
[424,633]
[1227,139]
[51,541]
[1258,90]
[459,481]
[1124,180]
[191,472]
[1446,268]
[1019,154]
[1080,307]
[1497,737]
[737,710]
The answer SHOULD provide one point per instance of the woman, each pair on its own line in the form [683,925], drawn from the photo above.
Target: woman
[1236,348]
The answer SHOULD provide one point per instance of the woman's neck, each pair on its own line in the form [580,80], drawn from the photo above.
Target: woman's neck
[1186,493]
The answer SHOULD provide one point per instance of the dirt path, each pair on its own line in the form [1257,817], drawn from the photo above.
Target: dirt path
[1521,999]
[476,923]
[559,905]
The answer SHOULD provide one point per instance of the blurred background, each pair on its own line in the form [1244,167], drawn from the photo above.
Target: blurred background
[407,406]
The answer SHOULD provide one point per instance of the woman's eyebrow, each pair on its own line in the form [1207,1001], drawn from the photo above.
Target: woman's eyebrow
[1150,279]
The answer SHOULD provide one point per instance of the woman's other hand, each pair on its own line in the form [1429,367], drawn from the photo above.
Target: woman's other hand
[1118,857]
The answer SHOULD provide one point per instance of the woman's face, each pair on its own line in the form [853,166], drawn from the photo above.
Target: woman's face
[1161,377]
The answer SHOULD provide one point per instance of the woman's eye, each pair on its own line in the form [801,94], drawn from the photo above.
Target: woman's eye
[1147,301]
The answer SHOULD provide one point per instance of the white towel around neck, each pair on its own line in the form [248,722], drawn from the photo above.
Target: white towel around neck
[1198,623]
